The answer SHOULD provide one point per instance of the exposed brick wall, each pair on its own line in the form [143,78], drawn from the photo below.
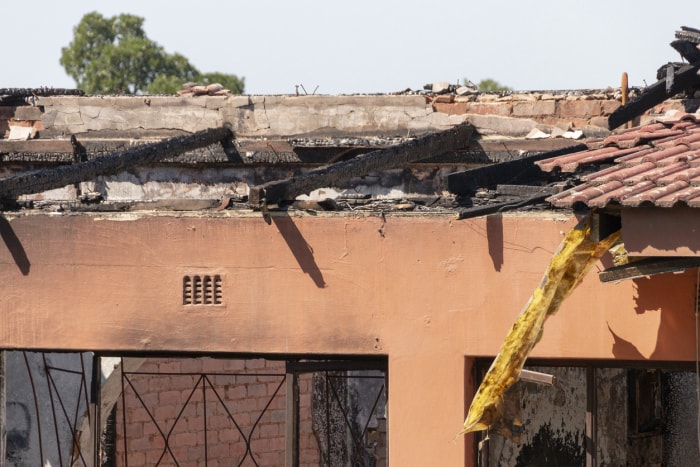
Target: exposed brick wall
[575,109]
[246,388]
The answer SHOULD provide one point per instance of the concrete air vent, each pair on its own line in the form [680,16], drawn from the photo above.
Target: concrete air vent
[202,290]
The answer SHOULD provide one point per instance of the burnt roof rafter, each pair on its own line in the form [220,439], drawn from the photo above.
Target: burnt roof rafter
[393,156]
[673,78]
[57,177]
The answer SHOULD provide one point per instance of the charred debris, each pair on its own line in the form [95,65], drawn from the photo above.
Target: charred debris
[501,175]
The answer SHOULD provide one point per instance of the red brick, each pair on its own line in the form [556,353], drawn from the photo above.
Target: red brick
[256,390]
[140,444]
[275,365]
[269,378]
[219,451]
[193,393]
[579,108]
[228,435]
[278,416]
[150,428]
[489,108]
[533,108]
[134,430]
[172,366]
[212,365]
[235,392]
[304,385]
[194,423]
[136,459]
[309,456]
[158,383]
[243,380]
[279,402]
[234,365]
[165,412]
[149,399]
[260,445]
[197,453]
[305,426]
[191,365]
[262,403]
[601,122]
[237,451]
[255,364]
[270,458]
[218,422]
[455,108]
[243,419]
[137,415]
[177,452]
[154,455]
[157,441]
[169,398]
[179,383]
[278,444]
[610,106]
[220,381]
[243,406]
[185,439]
[269,430]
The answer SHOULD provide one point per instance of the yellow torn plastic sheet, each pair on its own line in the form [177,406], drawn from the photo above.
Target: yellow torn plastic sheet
[570,263]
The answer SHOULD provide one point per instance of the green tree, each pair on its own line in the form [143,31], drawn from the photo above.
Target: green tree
[490,85]
[109,55]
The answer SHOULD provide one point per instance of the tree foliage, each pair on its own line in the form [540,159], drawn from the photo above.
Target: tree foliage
[109,55]
[488,85]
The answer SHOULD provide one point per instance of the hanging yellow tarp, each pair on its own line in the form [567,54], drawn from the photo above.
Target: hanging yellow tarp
[570,263]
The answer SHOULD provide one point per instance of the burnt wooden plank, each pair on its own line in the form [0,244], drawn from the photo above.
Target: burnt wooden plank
[508,172]
[648,267]
[603,225]
[382,159]
[57,177]
[655,94]
[687,49]
[493,208]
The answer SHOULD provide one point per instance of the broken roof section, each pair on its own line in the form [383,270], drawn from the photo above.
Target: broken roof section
[283,138]
[673,78]
[655,164]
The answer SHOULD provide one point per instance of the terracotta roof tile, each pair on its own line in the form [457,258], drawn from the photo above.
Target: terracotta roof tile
[656,164]
[618,172]
[571,162]
[653,194]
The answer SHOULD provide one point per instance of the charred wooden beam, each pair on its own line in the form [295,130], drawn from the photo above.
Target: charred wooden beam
[514,171]
[47,179]
[382,159]
[493,208]
[604,224]
[18,95]
[686,43]
[648,267]
[682,79]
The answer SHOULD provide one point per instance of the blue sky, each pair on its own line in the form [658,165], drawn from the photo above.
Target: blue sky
[371,46]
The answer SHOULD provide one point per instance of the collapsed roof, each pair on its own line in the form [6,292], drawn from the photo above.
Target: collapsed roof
[352,152]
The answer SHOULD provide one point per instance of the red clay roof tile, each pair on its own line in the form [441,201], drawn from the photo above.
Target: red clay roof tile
[656,164]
